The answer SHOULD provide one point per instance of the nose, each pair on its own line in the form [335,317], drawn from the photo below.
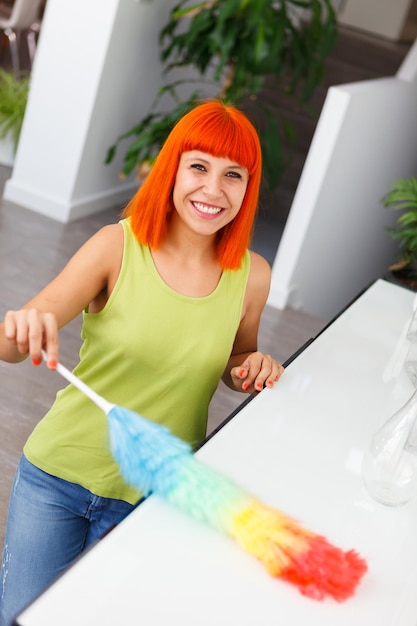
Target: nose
[212,186]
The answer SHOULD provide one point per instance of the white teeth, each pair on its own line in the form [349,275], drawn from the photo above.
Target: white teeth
[203,208]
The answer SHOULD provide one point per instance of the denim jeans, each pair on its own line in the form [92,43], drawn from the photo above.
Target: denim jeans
[51,521]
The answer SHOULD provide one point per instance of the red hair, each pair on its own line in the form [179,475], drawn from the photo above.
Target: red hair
[222,131]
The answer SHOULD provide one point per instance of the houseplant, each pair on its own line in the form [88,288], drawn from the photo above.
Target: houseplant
[237,46]
[13,99]
[403,197]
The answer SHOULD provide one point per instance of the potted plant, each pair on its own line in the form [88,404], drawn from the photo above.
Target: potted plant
[13,99]
[403,196]
[244,51]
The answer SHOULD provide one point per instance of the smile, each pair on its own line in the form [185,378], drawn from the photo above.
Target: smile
[204,208]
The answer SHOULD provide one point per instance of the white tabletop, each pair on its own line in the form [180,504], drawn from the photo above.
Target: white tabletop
[297,447]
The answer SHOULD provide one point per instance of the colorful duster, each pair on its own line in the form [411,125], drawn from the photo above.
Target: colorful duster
[152,460]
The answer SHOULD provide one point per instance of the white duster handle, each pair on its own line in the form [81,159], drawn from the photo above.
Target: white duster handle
[103,404]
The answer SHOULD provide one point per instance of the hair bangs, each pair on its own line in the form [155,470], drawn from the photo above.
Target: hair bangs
[223,136]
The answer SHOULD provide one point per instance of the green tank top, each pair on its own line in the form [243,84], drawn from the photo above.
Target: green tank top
[151,350]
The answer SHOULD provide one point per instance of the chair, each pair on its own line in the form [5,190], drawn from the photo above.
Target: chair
[23,16]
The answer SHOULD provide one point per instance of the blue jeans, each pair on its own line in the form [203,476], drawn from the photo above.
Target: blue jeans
[51,521]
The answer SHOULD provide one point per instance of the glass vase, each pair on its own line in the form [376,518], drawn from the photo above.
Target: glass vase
[389,467]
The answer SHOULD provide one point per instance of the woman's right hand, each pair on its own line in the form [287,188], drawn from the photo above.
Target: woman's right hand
[31,331]
[89,275]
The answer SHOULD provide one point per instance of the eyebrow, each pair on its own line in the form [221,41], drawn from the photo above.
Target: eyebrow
[203,160]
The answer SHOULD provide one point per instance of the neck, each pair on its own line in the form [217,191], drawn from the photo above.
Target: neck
[189,245]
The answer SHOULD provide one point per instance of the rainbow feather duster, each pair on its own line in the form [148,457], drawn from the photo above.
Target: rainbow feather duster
[153,460]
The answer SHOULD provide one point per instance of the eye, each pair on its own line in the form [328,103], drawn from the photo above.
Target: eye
[234,174]
[198,166]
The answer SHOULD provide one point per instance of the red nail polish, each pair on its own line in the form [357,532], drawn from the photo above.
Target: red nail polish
[269,383]
[52,364]
[245,386]
[242,372]
[36,361]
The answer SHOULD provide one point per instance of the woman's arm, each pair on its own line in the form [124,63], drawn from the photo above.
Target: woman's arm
[248,369]
[87,279]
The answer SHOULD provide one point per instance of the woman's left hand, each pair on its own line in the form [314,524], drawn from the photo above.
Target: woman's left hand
[256,372]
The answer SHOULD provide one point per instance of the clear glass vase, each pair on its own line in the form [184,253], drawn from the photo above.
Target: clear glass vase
[410,364]
[389,467]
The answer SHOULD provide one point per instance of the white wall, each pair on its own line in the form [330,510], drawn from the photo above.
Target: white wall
[334,242]
[384,18]
[95,74]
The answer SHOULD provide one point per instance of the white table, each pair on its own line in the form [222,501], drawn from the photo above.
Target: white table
[297,447]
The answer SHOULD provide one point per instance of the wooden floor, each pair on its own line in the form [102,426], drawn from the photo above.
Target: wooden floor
[34,248]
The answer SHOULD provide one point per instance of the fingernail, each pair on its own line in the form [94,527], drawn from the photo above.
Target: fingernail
[52,364]
[36,361]
[245,386]
[242,372]
[269,383]
[259,386]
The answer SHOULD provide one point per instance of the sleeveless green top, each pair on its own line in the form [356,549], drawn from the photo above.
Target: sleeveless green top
[151,350]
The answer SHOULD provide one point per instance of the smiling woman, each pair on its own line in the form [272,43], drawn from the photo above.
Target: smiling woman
[217,130]
[171,300]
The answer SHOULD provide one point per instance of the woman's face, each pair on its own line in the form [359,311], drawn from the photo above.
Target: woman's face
[208,191]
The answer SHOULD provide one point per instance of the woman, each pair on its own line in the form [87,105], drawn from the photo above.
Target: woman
[171,299]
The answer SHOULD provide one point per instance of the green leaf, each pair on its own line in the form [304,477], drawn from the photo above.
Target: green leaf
[403,194]
[13,100]
[111,152]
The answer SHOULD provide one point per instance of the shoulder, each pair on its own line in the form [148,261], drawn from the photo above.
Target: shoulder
[260,271]
[101,260]
[112,234]
[110,240]
[258,285]
[102,253]
[107,241]
[259,263]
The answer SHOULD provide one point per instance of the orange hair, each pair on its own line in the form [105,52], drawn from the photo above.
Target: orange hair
[222,131]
